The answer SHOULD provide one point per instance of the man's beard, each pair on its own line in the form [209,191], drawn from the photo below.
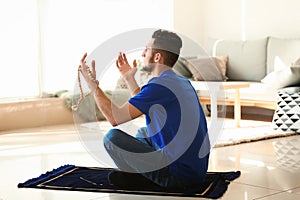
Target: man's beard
[149,67]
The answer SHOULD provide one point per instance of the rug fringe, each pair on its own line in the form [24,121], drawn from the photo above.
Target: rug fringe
[46,176]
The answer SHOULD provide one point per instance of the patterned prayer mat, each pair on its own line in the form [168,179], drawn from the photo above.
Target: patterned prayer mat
[95,179]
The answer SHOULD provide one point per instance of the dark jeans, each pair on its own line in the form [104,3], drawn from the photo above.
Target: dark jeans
[127,153]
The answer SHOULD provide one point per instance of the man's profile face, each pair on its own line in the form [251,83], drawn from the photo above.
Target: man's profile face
[148,57]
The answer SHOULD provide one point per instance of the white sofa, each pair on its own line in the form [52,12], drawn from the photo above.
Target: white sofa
[264,63]
[248,62]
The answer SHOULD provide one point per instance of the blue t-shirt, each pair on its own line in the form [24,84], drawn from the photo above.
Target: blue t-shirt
[176,124]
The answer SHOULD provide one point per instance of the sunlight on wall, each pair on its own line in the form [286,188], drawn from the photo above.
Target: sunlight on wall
[243,20]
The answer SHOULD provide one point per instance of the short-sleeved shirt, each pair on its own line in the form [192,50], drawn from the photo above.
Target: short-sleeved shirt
[176,124]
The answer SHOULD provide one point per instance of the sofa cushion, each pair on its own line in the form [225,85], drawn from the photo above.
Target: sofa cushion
[281,52]
[246,59]
[208,68]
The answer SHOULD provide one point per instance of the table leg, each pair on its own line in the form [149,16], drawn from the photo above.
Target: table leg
[237,108]
[213,106]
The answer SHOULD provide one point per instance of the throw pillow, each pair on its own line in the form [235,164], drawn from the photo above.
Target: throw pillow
[180,68]
[288,76]
[221,62]
[208,68]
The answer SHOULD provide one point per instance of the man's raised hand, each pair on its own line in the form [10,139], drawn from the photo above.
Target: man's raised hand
[125,69]
[88,74]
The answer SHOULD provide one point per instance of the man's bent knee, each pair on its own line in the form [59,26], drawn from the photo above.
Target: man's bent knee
[113,136]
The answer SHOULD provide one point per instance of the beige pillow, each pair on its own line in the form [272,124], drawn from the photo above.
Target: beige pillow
[181,69]
[208,68]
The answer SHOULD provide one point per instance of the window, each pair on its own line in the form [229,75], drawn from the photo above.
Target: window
[45,39]
[19,48]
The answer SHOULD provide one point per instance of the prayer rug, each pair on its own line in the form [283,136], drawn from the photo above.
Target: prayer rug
[95,179]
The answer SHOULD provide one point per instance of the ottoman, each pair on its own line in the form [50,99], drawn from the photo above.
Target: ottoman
[287,114]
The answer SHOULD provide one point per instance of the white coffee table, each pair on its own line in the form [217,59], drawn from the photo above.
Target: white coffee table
[217,95]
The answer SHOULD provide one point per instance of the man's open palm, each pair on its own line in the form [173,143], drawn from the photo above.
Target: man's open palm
[125,69]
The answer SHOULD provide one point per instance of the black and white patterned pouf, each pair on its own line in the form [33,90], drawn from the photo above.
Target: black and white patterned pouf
[287,113]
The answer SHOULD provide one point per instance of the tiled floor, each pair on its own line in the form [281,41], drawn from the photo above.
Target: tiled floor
[270,168]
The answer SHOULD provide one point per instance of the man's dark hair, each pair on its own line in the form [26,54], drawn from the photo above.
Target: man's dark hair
[168,44]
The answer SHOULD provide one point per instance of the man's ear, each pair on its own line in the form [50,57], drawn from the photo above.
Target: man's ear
[157,57]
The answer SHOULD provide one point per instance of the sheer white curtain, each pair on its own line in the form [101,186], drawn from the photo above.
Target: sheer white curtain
[18,48]
[48,37]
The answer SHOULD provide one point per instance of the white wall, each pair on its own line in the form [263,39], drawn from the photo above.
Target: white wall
[279,18]
[188,18]
[236,19]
